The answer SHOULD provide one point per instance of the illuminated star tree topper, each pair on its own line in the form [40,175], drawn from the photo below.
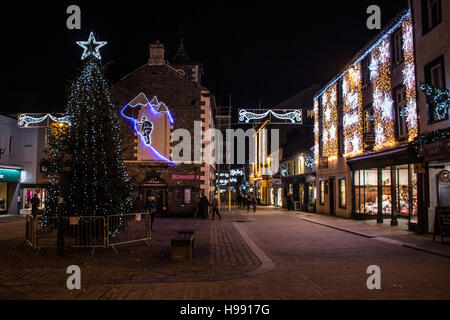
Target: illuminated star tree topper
[91,47]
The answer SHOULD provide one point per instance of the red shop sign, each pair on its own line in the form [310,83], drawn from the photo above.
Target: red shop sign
[185,177]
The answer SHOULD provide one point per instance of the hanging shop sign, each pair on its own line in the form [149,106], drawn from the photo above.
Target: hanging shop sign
[437,150]
[186,177]
[153,181]
[445,176]
[323,162]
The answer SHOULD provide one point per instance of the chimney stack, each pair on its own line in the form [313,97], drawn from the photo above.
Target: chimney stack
[156,54]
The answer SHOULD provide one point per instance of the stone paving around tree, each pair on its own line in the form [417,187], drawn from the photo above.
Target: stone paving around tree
[220,253]
[312,261]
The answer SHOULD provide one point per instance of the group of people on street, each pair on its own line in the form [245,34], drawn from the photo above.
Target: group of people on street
[247,200]
[204,205]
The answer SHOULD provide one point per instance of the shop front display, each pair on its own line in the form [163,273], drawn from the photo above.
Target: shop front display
[3,197]
[400,181]
[9,179]
[28,194]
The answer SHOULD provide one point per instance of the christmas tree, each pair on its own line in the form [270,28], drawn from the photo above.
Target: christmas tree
[88,168]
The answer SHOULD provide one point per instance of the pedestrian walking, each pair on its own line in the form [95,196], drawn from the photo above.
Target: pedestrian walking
[203,206]
[254,203]
[151,208]
[34,205]
[289,201]
[239,200]
[247,202]
[215,208]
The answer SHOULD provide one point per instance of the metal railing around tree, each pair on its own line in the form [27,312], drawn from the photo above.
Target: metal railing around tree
[88,232]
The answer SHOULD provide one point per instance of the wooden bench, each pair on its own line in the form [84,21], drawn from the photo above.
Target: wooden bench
[182,246]
[442,223]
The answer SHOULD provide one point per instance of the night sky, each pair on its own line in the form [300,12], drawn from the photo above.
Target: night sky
[257,50]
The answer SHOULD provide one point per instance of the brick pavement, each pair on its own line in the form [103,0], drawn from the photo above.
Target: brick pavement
[311,262]
[220,253]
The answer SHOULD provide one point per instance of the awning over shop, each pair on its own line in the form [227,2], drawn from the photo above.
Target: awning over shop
[9,175]
[384,159]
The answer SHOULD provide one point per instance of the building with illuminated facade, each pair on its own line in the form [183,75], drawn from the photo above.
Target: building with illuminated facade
[22,173]
[154,101]
[367,120]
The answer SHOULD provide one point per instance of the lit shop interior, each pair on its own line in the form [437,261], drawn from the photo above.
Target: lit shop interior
[397,184]
[27,193]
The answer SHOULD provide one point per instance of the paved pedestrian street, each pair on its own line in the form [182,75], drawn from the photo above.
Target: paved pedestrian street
[272,254]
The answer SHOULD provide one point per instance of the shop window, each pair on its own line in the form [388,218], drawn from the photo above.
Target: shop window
[178,196]
[187,196]
[3,196]
[406,190]
[322,192]
[342,194]
[386,203]
[28,194]
[413,184]
[183,196]
[312,195]
[366,192]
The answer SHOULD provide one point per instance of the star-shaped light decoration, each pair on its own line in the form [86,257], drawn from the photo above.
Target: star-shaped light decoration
[327,115]
[356,141]
[332,132]
[91,47]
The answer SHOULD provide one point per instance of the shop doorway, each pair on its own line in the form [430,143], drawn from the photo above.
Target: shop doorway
[160,195]
[331,193]
[156,187]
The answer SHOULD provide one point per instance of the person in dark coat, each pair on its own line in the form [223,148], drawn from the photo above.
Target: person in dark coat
[254,203]
[247,202]
[215,208]
[203,206]
[151,208]
[290,201]
[34,205]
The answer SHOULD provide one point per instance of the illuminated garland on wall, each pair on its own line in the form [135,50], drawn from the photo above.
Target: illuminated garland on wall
[352,121]
[330,123]
[409,77]
[380,68]
[316,131]
[382,97]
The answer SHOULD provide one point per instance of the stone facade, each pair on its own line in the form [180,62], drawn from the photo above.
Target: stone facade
[187,102]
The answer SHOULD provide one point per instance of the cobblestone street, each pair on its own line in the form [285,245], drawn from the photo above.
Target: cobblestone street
[272,254]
